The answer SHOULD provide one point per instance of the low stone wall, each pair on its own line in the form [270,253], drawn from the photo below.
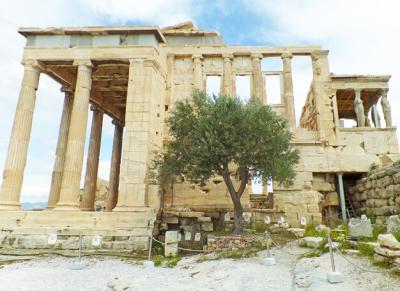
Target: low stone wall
[262,201]
[379,192]
[228,242]
[63,231]
[19,243]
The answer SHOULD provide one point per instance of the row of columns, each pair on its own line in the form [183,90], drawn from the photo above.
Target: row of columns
[65,185]
[258,87]
[362,116]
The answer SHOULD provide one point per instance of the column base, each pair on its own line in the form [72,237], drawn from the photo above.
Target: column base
[129,208]
[10,206]
[66,207]
[87,209]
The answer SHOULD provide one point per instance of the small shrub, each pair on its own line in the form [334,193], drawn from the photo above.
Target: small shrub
[366,250]
[397,234]
[157,248]
[166,262]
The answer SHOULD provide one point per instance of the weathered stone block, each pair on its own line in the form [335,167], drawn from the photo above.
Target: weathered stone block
[393,223]
[31,242]
[387,252]
[204,219]
[396,178]
[207,226]
[388,240]
[311,242]
[360,228]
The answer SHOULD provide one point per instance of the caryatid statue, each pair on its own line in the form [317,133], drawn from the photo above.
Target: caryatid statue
[387,111]
[359,109]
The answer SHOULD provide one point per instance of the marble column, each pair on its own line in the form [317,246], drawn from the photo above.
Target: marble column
[70,185]
[61,148]
[257,81]
[92,164]
[18,146]
[115,165]
[288,98]
[359,108]
[198,72]
[227,80]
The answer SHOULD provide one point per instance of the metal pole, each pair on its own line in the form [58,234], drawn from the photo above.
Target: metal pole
[150,246]
[328,234]
[80,247]
[341,195]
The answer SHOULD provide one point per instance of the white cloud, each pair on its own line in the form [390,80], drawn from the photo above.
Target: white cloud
[156,12]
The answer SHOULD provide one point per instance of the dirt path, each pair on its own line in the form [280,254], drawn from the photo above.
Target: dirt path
[54,273]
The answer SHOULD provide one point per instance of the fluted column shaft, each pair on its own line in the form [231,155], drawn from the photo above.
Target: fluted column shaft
[60,151]
[92,165]
[198,72]
[288,89]
[70,185]
[258,82]
[227,87]
[115,165]
[18,146]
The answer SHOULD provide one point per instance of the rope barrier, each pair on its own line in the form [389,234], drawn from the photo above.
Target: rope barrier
[362,268]
[180,248]
[286,251]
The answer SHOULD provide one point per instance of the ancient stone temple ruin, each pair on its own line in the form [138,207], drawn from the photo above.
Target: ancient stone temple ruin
[135,74]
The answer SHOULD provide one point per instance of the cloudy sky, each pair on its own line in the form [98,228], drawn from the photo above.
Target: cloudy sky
[362,36]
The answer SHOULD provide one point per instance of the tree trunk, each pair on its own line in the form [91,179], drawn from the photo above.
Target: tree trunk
[238,216]
[235,196]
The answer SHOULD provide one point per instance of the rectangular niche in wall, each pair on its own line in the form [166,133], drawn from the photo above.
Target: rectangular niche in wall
[213,85]
[243,87]
[273,89]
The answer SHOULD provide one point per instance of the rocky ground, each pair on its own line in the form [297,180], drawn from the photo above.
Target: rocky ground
[290,273]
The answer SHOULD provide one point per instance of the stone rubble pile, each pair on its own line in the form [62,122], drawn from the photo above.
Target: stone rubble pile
[388,250]
[228,242]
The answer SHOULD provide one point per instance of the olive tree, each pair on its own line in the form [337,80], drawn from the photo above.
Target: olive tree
[209,135]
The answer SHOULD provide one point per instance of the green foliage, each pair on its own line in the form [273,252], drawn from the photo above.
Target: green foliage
[234,254]
[366,249]
[259,227]
[166,262]
[397,235]
[157,248]
[209,133]
[311,231]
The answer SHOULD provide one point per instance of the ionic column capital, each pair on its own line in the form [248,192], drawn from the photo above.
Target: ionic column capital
[96,108]
[118,122]
[256,57]
[66,89]
[286,55]
[227,57]
[83,62]
[315,55]
[31,64]
[197,57]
